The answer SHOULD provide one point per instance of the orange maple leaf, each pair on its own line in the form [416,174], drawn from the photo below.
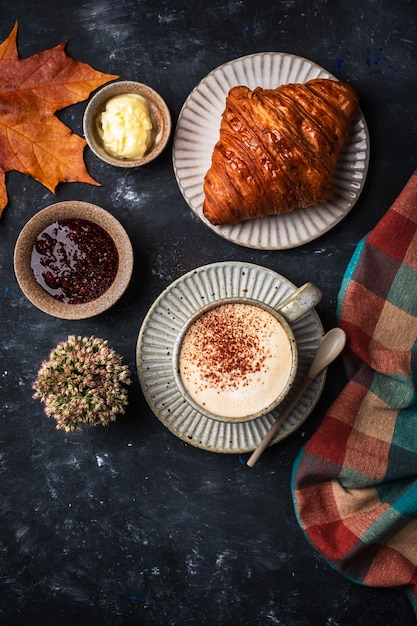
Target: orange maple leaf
[32,139]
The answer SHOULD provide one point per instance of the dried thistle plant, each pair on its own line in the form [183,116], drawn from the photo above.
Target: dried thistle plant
[82,383]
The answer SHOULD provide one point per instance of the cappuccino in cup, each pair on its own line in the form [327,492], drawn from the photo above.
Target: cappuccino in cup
[237,360]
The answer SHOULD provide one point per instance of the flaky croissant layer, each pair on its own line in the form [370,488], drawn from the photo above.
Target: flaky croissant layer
[278,149]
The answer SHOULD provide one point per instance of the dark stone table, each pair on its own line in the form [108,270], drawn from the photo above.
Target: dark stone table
[128,524]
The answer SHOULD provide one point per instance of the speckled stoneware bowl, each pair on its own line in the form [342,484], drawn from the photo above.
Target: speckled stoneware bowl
[159,113]
[27,239]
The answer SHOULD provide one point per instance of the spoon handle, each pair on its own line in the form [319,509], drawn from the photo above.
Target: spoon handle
[278,423]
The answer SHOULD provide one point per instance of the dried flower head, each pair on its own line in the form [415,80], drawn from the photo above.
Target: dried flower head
[82,383]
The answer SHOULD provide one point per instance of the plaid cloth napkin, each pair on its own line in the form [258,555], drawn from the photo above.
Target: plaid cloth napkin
[354,484]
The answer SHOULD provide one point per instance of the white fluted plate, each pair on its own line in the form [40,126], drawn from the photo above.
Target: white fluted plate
[198,129]
[164,322]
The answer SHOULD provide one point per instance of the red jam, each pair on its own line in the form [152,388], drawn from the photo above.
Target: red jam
[75,260]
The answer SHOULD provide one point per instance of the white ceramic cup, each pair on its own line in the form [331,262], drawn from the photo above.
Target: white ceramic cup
[237,358]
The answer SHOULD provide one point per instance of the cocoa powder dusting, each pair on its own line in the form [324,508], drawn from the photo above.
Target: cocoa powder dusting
[225,345]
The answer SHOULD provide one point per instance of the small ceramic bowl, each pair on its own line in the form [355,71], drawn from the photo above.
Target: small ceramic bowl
[71,210]
[159,114]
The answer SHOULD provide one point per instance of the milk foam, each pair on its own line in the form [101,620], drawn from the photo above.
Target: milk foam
[235,360]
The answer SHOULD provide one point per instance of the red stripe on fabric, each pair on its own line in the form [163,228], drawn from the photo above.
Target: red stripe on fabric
[405,202]
[390,568]
[344,411]
[331,444]
[333,539]
[393,234]
[361,307]
[367,455]
[316,504]
[376,270]
[358,339]
[346,406]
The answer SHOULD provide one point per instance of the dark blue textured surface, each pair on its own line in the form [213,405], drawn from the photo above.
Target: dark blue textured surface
[128,525]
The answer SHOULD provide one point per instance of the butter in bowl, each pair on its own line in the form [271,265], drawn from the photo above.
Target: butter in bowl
[127,124]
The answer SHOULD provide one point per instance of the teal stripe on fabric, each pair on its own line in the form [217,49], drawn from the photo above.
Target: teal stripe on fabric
[402,293]
[405,431]
[347,277]
[401,462]
[400,495]
[387,525]
[389,490]
[407,503]
[352,479]
[395,390]
[413,365]
[410,595]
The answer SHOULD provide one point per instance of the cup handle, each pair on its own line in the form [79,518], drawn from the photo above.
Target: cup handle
[300,302]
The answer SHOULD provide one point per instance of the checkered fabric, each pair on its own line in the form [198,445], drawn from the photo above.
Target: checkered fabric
[354,484]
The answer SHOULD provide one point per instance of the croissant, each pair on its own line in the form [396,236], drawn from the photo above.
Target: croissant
[278,149]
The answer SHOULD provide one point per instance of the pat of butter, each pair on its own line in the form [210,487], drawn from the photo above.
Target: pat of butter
[126,126]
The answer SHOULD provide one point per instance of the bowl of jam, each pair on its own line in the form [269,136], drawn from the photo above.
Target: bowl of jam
[127,124]
[73,260]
